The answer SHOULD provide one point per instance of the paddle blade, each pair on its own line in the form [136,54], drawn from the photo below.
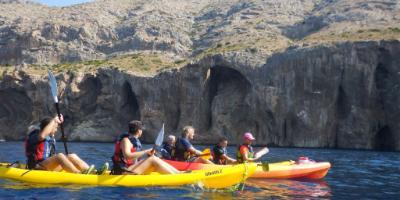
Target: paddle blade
[262,152]
[53,86]
[160,137]
[206,153]
[265,166]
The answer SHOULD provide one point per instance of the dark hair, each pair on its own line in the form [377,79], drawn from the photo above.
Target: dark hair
[223,138]
[44,122]
[134,126]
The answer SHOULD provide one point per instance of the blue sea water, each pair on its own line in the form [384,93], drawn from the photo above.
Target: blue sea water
[354,175]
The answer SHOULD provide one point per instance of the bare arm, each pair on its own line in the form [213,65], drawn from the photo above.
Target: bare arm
[229,159]
[195,151]
[246,158]
[126,146]
[49,129]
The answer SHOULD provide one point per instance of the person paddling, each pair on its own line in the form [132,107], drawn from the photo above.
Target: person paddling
[219,153]
[245,151]
[128,152]
[41,153]
[184,150]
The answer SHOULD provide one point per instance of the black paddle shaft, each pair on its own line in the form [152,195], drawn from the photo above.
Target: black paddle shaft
[63,138]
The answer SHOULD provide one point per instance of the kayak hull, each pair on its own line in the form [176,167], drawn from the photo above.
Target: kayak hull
[207,178]
[292,170]
[280,170]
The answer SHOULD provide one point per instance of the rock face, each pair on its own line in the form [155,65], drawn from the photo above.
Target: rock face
[341,96]
[295,73]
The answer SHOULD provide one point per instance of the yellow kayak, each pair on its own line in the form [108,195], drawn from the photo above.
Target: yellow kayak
[213,178]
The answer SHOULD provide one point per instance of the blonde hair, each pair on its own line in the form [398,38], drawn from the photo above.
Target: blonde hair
[171,137]
[185,130]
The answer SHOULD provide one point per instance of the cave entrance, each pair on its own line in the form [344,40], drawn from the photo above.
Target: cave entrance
[385,140]
[15,113]
[130,106]
[227,102]
[90,89]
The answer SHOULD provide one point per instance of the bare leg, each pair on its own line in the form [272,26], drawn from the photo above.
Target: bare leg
[148,165]
[202,160]
[78,162]
[54,163]
[50,164]
[163,167]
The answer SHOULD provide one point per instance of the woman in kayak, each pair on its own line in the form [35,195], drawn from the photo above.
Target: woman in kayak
[40,150]
[245,151]
[128,151]
[219,153]
[184,150]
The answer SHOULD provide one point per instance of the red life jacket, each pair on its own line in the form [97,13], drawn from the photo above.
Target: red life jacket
[36,151]
[118,158]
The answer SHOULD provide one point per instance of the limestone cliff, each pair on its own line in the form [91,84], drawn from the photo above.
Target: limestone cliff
[295,73]
[341,96]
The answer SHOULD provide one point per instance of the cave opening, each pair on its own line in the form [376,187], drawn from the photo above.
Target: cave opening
[227,103]
[385,140]
[90,89]
[15,113]
[343,106]
[130,105]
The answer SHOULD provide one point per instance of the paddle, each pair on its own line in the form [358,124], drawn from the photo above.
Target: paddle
[206,154]
[53,87]
[264,165]
[159,139]
[261,152]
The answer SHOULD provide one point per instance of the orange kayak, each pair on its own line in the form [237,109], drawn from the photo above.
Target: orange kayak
[290,169]
[280,170]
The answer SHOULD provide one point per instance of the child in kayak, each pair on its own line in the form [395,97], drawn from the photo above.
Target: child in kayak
[245,151]
[40,150]
[168,148]
[219,153]
[128,151]
[184,150]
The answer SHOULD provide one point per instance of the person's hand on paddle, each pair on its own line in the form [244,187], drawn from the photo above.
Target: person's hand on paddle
[150,152]
[59,120]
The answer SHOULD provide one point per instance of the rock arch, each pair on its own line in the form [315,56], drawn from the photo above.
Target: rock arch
[227,102]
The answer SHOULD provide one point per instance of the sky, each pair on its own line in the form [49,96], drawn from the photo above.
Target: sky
[61,2]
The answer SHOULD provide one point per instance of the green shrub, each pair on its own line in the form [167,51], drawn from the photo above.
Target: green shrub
[397,30]
[179,62]
[156,60]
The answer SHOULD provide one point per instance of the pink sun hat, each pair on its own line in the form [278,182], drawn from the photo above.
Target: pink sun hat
[248,136]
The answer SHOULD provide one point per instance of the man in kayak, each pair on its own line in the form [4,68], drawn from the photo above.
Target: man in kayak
[40,150]
[245,151]
[128,151]
[184,150]
[168,148]
[219,153]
